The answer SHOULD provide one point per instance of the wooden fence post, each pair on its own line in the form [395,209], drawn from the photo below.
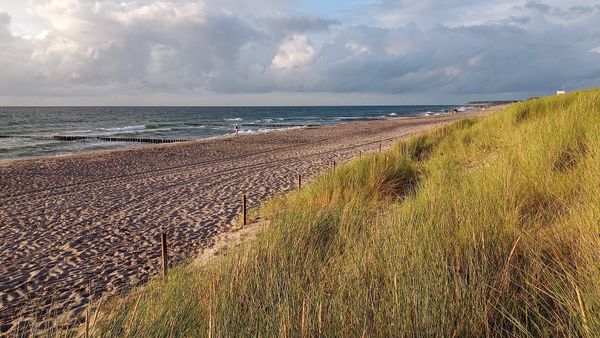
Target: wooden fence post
[299,181]
[360,154]
[165,257]
[87,322]
[244,202]
[379,147]
[87,311]
[333,165]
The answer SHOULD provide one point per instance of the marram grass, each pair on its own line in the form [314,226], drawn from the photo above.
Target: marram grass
[486,227]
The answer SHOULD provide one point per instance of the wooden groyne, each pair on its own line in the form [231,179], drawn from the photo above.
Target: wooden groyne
[101,138]
[119,139]
[153,140]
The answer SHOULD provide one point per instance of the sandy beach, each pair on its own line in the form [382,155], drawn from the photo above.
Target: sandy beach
[89,225]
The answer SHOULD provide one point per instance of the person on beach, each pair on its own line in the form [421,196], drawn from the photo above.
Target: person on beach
[237,129]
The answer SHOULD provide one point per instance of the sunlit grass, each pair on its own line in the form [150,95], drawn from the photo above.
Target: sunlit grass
[485,227]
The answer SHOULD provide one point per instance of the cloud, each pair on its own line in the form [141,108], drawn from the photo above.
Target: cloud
[167,45]
[446,48]
[293,52]
[4,30]
[564,14]
[287,24]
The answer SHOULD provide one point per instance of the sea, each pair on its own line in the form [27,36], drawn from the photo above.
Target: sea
[28,132]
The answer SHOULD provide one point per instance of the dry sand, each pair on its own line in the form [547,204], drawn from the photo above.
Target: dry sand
[94,221]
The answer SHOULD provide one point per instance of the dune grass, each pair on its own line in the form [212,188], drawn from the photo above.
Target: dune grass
[485,227]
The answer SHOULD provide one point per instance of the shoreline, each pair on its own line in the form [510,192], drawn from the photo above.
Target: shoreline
[94,218]
[134,146]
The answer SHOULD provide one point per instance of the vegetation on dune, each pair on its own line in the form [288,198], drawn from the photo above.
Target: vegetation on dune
[489,226]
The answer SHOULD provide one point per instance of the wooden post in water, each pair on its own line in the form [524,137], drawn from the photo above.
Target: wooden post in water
[165,257]
[299,181]
[244,200]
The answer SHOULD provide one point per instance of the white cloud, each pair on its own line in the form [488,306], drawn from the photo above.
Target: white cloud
[295,51]
[62,15]
[595,50]
[158,11]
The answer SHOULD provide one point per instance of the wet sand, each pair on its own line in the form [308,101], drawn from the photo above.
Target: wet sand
[91,224]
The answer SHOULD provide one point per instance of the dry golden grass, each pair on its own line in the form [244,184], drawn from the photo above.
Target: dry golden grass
[487,227]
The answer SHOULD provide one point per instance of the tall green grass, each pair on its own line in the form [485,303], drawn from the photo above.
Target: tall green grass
[486,227]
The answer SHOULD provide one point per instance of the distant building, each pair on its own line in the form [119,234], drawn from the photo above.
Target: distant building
[560,92]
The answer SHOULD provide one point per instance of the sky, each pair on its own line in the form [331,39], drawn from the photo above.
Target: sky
[292,52]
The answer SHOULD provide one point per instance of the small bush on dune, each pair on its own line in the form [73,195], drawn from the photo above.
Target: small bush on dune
[484,227]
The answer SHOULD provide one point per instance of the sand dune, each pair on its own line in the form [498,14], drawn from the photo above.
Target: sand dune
[91,224]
